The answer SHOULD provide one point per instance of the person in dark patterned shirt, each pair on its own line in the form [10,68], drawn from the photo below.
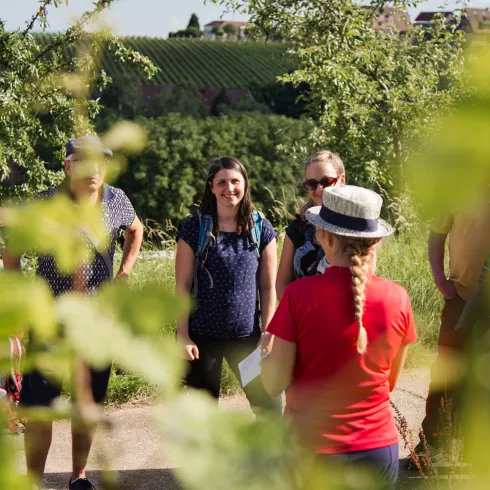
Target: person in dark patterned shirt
[85,179]
[236,287]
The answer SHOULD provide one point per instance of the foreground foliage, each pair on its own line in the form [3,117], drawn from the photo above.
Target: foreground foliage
[44,94]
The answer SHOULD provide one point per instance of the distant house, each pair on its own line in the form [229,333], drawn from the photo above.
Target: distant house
[392,18]
[476,22]
[208,28]
[426,19]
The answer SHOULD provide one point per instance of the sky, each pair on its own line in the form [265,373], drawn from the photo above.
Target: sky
[154,18]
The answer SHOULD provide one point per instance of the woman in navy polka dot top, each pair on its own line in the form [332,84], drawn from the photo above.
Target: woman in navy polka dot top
[227,318]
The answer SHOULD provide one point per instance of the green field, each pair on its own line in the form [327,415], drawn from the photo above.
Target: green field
[205,63]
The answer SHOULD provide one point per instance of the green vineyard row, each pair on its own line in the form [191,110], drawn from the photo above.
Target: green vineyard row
[204,63]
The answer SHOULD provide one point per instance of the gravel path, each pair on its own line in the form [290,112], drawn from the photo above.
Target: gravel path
[136,451]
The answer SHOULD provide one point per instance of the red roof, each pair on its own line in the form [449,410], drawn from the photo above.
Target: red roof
[389,18]
[392,18]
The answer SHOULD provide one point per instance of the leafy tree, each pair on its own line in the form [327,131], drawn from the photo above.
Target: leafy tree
[185,100]
[230,30]
[282,98]
[372,90]
[217,31]
[123,97]
[45,84]
[193,32]
[189,32]
[220,101]
[167,179]
[244,104]
[194,22]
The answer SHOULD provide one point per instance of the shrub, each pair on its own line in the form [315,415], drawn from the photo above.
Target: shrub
[168,178]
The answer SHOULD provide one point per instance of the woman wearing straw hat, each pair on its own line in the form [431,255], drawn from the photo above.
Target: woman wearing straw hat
[338,341]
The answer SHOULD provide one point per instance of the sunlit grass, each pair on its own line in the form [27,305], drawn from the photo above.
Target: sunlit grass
[404,260]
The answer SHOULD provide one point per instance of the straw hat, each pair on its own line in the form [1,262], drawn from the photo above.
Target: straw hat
[350,211]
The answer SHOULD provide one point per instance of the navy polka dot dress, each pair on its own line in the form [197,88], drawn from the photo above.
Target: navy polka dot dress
[229,309]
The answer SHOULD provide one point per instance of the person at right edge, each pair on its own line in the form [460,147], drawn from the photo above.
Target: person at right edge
[469,245]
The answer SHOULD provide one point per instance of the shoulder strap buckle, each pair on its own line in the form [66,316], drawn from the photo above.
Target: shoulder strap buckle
[204,241]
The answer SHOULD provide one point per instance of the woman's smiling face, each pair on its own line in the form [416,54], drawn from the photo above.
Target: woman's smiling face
[318,171]
[229,187]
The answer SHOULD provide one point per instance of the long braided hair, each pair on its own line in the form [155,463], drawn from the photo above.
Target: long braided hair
[359,251]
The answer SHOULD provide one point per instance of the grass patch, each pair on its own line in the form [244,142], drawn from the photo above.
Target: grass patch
[404,260]
[124,388]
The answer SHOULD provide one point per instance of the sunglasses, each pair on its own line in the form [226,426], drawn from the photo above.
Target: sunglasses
[312,184]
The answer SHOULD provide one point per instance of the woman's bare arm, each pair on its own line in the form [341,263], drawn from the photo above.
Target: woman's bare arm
[184,276]
[285,273]
[277,368]
[397,366]
[267,283]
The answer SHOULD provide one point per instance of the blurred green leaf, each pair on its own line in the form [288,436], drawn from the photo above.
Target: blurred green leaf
[144,310]
[99,338]
[452,168]
[127,137]
[56,227]
[9,477]
[449,168]
[27,304]
[221,450]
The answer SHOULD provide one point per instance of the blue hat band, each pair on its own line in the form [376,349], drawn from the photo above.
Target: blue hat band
[348,222]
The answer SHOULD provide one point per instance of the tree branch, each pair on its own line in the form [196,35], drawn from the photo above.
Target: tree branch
[72,32]
[41,11]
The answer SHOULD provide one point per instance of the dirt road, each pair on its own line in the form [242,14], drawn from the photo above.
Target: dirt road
[136,451]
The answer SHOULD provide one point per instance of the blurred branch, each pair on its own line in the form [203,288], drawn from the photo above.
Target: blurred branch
[41,12]
[73,33]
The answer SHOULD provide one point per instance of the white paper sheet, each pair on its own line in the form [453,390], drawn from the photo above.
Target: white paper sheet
[250,366]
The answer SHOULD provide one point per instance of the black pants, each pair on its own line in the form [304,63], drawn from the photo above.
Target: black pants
[449,339]
[38,391]
[383,461]
[205,373]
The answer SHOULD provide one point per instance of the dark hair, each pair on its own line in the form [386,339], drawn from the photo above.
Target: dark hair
[208,202]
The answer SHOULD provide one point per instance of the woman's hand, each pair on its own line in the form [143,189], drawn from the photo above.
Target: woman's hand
[265,344]
[190,348]
[447,289]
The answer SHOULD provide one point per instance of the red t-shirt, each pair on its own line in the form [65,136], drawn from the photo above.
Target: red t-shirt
[339,400]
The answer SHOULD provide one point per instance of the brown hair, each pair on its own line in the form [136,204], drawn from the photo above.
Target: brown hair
[321,157]
[208,202]
[359,250]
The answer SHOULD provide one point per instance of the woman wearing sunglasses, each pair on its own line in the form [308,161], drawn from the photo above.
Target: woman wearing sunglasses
[301,255]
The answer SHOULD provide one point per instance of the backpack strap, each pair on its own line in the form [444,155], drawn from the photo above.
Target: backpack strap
[257,221]
[204,241]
